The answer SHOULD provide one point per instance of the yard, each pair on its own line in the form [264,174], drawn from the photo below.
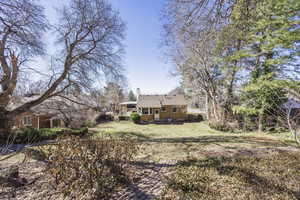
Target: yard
[192,161]
[166,143]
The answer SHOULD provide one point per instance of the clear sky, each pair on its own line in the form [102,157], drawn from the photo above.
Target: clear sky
[144,63]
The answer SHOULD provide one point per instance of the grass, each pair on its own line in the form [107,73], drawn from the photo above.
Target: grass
[177,142]
[267,177]
[209,164]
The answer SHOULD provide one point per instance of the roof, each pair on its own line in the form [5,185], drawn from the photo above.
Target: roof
[48,107]
[128,102]
[157,101]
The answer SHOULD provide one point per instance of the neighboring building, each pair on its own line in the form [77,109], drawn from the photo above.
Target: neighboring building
[54,112]
[196,99]
[38,120]
[126,108]
[36,117]
[162,107]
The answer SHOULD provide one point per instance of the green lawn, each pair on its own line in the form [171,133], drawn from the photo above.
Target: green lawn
[177,142]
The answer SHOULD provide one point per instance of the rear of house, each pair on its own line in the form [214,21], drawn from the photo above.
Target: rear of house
[162,108]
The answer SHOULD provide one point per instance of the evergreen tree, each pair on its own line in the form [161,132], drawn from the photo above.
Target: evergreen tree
[131,96]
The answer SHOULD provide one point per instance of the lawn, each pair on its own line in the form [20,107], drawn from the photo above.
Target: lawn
[207,164]
[165,143]
[192,161]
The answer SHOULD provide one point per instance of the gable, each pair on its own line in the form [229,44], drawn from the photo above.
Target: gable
[157,101]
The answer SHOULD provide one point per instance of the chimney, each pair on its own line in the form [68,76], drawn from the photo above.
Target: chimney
[138,93]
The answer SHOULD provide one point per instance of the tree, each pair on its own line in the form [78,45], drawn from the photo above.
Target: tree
[192,36]
[113,93]
[261,98]
[131,96]
[89,37]
[21,25]
[221,46]
[270,50]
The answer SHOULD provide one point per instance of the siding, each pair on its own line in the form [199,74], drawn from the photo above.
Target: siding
[168,114]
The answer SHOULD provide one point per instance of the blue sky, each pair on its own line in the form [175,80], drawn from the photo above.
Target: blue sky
[146,67]
[144,63]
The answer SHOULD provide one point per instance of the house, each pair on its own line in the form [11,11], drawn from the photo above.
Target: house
[162,107]
[72,111]
[126,108]
[37,117]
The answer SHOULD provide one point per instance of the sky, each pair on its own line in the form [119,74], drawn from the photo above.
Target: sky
[144,63]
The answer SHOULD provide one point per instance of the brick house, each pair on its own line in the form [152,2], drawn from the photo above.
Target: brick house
[37,117]
[162,107]
[54,112]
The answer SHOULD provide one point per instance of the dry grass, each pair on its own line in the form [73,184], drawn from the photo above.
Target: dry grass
[177,142]
[272,176]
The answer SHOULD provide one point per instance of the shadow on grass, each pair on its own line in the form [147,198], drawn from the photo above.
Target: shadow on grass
[270,176]
[204,140]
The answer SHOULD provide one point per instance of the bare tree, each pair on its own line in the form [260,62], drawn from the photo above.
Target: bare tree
[89,37]
[21,25]
[192,31]
[113,93]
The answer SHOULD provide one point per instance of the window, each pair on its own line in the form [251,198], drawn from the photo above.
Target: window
[174,109]
[145,111]
[131,106]
[163,109]
[27,121]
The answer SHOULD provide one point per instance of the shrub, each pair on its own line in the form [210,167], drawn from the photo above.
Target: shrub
[135,117]
[194,118]
[32,135]
[103,118]
[90,167]
[220,126]
[124,118]
[89,123]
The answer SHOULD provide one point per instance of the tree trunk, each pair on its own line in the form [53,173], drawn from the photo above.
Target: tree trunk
[261,122]
[5,124]
[296,138]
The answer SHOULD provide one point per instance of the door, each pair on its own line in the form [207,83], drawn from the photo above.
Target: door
[156,114]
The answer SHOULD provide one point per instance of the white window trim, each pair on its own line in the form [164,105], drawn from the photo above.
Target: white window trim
[148,111]
[27,119]
[163,110]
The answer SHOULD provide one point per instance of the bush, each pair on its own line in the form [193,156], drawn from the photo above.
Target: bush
[136,118]
[124,118]
[103,118]
[220,126]
[90,167]
[32,135]
[194,118]
[89,123]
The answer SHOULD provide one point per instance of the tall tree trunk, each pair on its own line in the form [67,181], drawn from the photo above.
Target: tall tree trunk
[296,137]
[261,121]
[5,122]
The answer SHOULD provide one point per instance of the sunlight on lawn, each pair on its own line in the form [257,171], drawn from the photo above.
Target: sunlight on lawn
[177,142]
